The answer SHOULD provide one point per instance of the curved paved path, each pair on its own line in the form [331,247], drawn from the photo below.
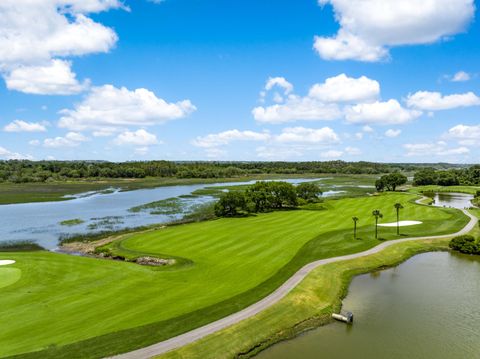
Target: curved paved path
[276,296]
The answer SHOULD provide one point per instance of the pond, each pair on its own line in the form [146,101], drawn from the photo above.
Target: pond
[98,211]
[450,199]
[425,308]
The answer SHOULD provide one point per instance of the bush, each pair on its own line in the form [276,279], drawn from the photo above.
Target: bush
[309,192]
[465,244]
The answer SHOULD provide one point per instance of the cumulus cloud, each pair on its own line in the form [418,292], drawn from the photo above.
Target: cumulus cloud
[138,138]
[23,126]
[35,34]
[428,150]
[381,113]
[464,134]
[435,101]
[54,78]
[342,88]
[107,108]
[226,137]
[461,76]
[274,153]
[353,151]
[323,135]
[9,155]
[280,82]
[369,28]
[71,139]
[393,133]
[331,154]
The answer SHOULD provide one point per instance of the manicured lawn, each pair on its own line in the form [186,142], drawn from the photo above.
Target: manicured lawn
[115,306]
[435,188]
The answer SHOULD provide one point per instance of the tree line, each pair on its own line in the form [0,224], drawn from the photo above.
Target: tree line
[463,176]
[23,171]
[266,196]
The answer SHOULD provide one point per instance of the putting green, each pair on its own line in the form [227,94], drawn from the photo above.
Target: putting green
[118,306]
[9,276]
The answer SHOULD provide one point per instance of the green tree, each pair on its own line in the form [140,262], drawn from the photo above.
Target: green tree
[231,204]
[377,214]
[398,207]
[355,220]
[390,182]
[308,191]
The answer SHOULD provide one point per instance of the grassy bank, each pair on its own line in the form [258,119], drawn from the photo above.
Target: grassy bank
[102,307]
[308,306]
[455,189]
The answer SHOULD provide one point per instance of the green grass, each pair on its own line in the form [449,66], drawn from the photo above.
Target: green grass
[8,276]
[102,307]
[457,189]
[72,222]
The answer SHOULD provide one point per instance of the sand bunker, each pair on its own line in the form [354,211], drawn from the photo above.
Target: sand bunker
[401,224]
[5,262]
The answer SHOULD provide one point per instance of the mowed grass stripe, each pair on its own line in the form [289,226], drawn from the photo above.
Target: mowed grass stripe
[235,263]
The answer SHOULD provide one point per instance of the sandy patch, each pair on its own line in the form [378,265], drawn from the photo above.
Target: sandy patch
[5,262]
[401,224]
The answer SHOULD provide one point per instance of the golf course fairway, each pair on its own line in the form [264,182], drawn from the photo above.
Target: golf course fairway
[102,307]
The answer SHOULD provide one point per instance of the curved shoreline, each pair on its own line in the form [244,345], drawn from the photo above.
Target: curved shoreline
[273,298]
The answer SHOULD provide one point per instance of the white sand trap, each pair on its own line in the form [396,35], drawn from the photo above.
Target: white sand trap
[401,224]
[6,262]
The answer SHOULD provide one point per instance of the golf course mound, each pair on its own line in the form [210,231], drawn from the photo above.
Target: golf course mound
[6,262]
[400,224]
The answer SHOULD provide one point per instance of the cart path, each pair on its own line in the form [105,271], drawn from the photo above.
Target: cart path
[273,298]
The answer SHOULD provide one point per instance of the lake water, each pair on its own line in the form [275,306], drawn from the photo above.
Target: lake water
[40,222]
[428,307]
[455,200]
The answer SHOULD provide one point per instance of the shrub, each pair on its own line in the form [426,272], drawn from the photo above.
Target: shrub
[465,244]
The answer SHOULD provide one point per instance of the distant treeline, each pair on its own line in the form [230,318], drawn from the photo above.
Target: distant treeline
[453,177]
[43,171]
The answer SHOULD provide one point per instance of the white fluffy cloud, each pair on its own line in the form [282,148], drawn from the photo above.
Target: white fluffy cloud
[35,34]
[331,154]
[296,109]
[368,28]
[461,76]
[381,113]
[280,82]
[435,101]
[342,88]
[23,126]
[71,139]
[226,137]
[353,151]
[107,108]
[464,134]
[323,135]
[55,77]
[138,138]
[393,133]
[9,155]
[428,150]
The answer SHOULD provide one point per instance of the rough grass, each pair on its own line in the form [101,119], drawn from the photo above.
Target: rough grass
[72,222]
[104,307]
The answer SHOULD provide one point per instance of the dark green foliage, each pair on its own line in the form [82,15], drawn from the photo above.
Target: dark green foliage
[465,244]
[390,182]
[452,177]
[50,171]
[21,246]
[310,192]
[265,196]
[231,204]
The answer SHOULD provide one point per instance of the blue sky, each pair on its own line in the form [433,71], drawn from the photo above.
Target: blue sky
[249,80]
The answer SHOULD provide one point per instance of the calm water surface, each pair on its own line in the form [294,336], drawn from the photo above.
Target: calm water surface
[40,222]
[455,200]
[428,307]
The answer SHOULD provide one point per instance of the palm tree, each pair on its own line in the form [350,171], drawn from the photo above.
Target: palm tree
[355,220]
[398,207]
[377,214]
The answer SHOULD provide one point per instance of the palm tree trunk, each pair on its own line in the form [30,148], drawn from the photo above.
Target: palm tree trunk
[355,230]
[376,228]
[398,222]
